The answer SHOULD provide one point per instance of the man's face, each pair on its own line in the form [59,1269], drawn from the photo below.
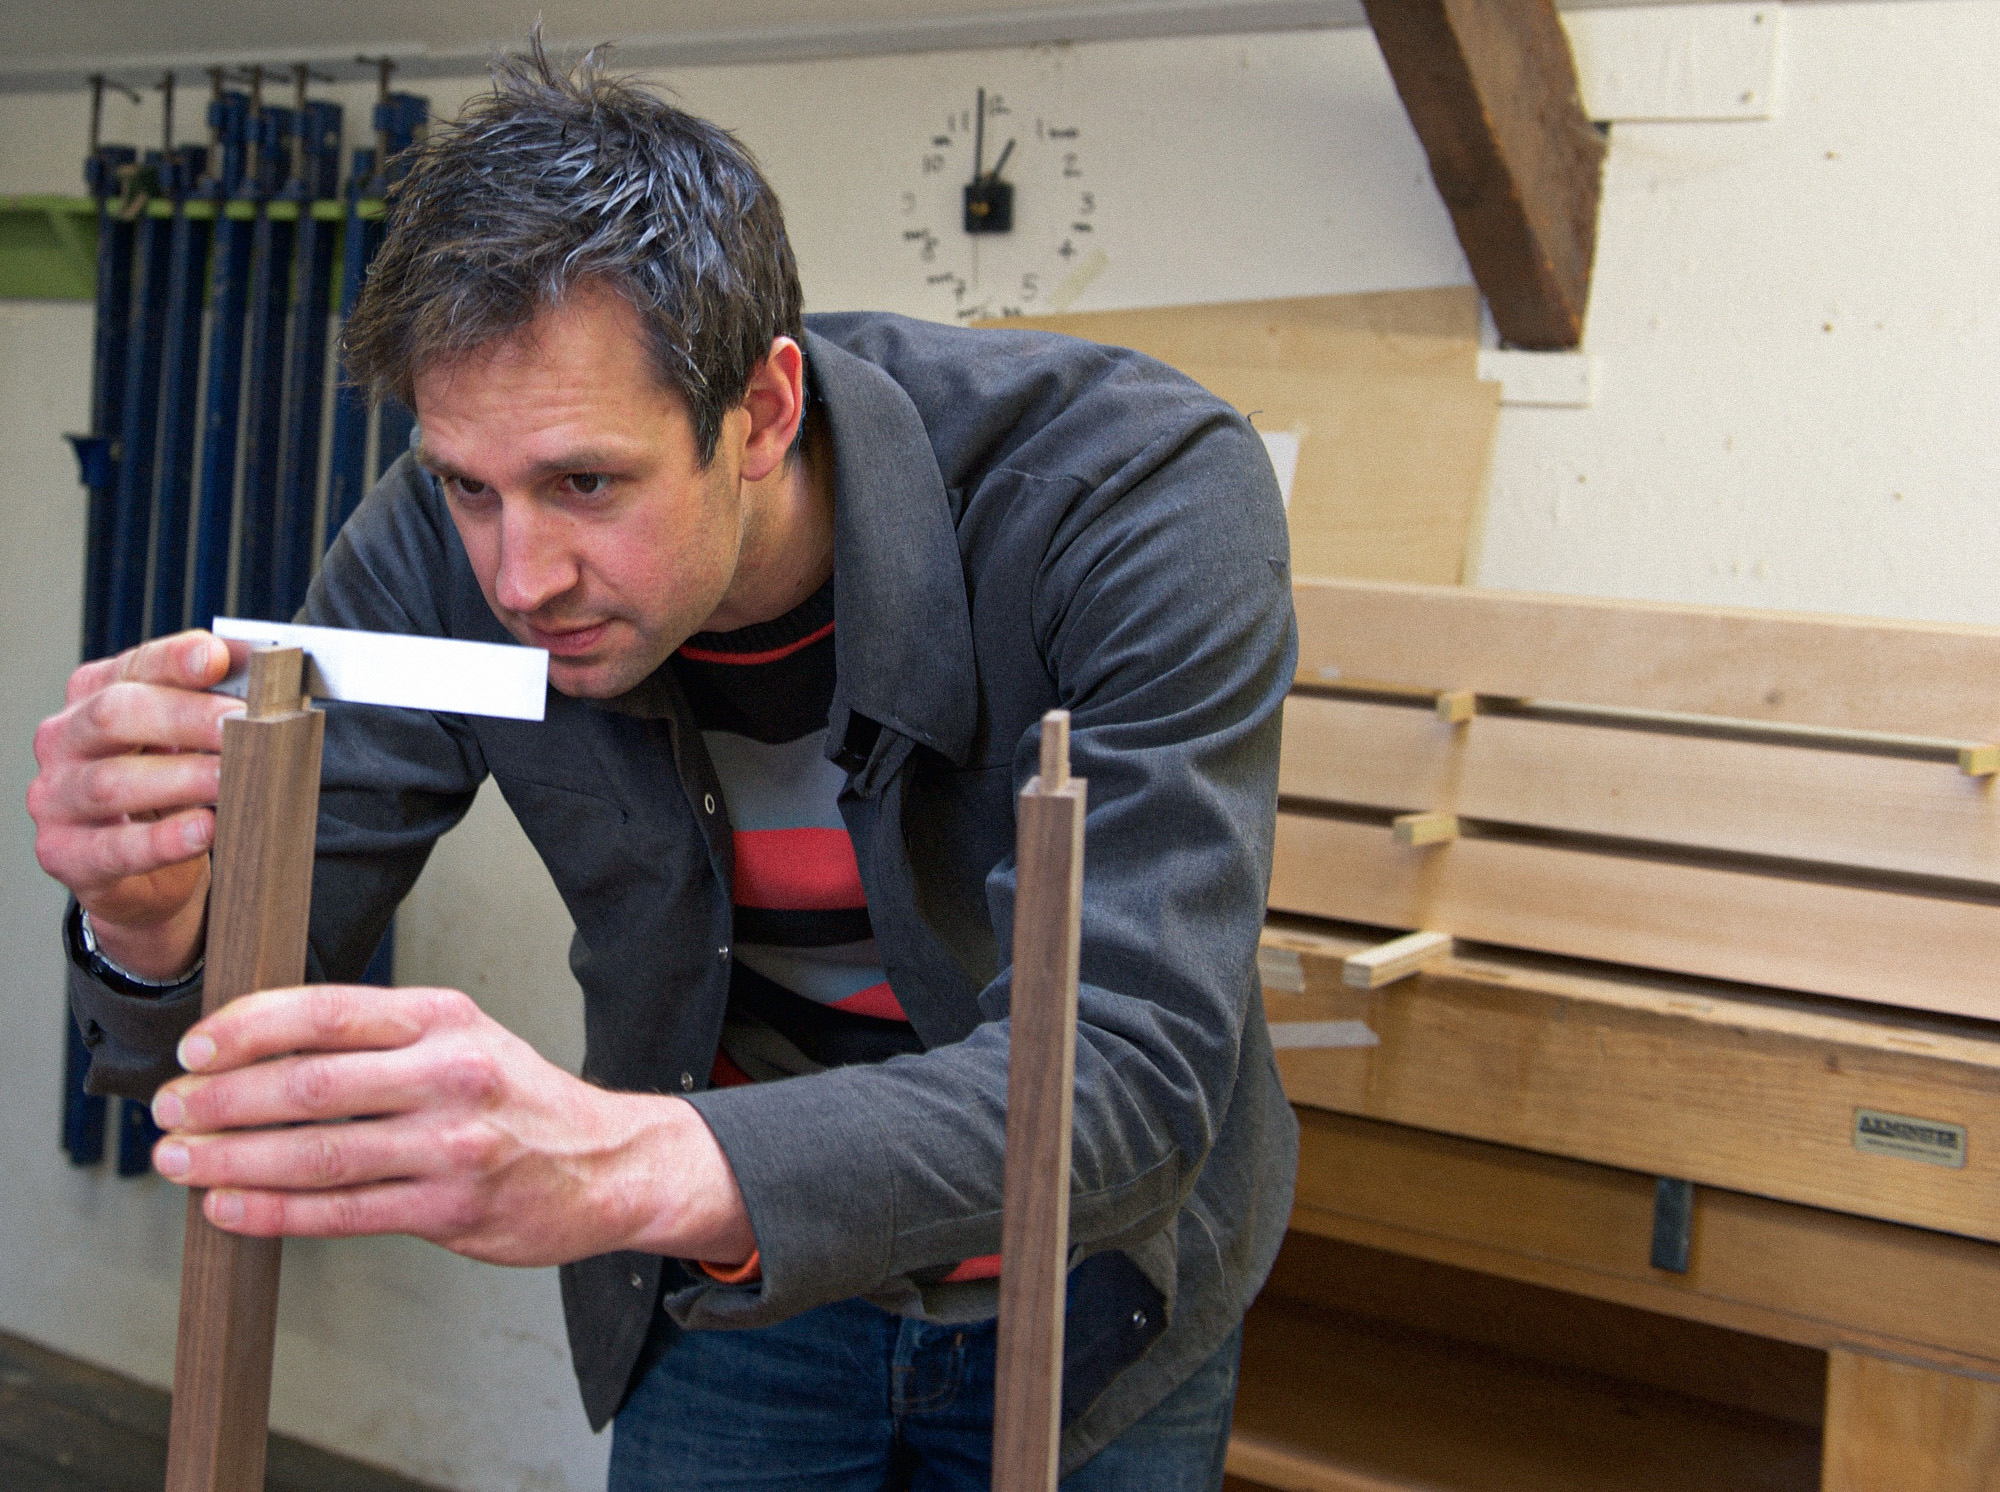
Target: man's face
[574,482]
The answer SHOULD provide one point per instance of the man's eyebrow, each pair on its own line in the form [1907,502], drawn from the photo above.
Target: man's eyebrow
[557,465]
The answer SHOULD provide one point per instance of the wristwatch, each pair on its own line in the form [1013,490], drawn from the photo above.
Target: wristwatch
[121,979]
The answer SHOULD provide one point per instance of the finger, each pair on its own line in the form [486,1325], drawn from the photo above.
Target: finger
[321,1087]
[321,1018]
[86,858]
[324,1157]
[111,788]
[187,660]
[385,1207]
[127,716]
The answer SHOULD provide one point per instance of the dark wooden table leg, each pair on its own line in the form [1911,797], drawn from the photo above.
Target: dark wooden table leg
[258,902]
[1041,1072]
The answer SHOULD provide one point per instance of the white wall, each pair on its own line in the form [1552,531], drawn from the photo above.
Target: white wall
[1738,451]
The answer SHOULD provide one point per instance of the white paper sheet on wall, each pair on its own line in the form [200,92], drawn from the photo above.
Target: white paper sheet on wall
[1282,446]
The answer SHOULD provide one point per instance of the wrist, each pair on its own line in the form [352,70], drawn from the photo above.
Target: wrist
[674,1190]
[147,964]
[162,952]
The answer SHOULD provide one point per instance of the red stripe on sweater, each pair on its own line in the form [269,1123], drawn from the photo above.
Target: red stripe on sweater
[985,1267]
[877,1000]
[797,870]
[770,655]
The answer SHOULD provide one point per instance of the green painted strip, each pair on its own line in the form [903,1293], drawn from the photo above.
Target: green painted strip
[48,243]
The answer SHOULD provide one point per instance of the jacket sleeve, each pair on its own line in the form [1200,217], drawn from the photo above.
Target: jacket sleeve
[392,781]
[1162,612]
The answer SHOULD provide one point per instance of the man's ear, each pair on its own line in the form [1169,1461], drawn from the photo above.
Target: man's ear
[776,403]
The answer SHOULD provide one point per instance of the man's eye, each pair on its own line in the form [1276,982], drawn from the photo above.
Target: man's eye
[586,483]
[467,487]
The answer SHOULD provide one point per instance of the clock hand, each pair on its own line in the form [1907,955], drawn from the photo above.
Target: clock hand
[999,165]
[979,137]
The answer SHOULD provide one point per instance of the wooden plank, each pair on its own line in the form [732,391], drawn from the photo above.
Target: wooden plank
[1491,90]
[1919,952]
[1901,1427]
[262,888]
[1789,801]
[1388,962]
[1913,678]
[1396,333]
[1725,1092]
[1798,1274]
[1041,1076]
[1330,1403]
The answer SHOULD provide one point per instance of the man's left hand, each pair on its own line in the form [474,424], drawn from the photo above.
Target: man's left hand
[336,1110]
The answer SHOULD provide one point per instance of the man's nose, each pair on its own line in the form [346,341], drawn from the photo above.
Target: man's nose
[536,564]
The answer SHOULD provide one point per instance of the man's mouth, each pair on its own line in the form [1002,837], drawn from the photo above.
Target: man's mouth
[567,641]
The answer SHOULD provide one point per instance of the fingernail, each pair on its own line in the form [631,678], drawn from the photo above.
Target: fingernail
[195,1052]
[200,654]
[168,1110]
[225,1207]
[170,1159]
[196,831]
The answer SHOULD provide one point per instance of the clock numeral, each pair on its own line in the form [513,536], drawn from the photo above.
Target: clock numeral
[1068,249]
[1079,227]
[943,142]
[1065,134]
[909,202]
[933,163]
[1070,167]
[1087,203]
[1031,286]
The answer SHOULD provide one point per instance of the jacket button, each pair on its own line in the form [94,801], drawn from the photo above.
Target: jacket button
[638,1281]
[687,1082]
[723,951]
[1138,1320]
[708,802]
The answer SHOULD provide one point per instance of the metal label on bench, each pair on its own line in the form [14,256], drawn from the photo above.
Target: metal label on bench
[1932,1141]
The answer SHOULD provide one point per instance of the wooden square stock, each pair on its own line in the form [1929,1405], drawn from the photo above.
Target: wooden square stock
[1041,1072]
[259,897]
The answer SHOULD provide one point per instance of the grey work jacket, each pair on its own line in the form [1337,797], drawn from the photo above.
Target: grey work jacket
[1022,522]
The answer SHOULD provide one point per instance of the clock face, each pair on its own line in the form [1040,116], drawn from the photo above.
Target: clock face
[999,215]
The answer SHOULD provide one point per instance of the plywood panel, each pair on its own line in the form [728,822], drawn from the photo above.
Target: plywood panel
[1432,333]
[1838,807]
[1726,1092]
[1395,428]
[1896,949]
[1391,471]
[1915,678]
[1799,1274]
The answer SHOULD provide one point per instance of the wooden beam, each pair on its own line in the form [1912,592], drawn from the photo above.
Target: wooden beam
[1847,673]
[1491,89]
[1041,1073]
[261,893]
[1397,959]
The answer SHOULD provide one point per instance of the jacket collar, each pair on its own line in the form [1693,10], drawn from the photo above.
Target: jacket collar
[903,633]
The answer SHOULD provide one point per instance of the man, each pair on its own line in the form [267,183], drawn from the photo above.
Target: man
[807,592]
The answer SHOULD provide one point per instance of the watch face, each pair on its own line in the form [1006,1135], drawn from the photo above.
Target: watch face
[999,217]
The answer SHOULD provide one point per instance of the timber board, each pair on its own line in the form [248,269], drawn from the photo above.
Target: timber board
[1886,946]
[1910,678]
[1797,1274]
[1895,813]
[1724,1089]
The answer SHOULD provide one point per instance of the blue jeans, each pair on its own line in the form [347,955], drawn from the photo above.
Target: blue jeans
[848,1398]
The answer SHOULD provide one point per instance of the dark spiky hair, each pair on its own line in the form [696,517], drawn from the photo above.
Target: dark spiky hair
[563,176]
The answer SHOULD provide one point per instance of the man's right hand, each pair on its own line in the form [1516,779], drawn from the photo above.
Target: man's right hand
[123,801]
